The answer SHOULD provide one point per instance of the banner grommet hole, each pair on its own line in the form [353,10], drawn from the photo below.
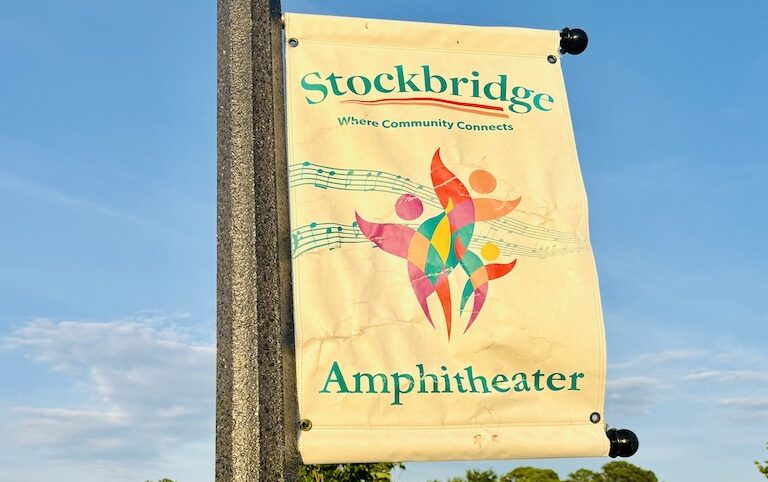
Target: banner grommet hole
[293,42]
[595,417]
[551,59]
[305,425]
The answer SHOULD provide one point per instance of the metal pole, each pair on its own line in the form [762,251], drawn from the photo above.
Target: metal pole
[256,408]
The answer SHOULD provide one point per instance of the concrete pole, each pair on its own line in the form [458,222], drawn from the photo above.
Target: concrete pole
[256,408]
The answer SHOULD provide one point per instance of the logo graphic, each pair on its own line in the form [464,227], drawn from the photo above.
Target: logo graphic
[441,243]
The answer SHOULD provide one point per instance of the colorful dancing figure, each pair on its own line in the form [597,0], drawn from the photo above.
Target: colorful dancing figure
[441,243]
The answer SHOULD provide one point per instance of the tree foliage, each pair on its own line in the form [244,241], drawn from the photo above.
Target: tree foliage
[477,476]
[376,472]
[612,472]
[626,472]
[585,475]
[763,468]
[530,474]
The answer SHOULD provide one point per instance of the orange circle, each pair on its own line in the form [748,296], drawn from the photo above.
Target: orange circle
[482,181]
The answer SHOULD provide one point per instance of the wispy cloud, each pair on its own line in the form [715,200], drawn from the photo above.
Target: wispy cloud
[647,379]
[729,376]
[24,187]
[632,395]
[747,409]
[12,183]
[660,358]
[150,387]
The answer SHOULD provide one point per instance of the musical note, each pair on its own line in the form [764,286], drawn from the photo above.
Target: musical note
[332,236]
[395,182]
[348,178]
[371,181]
[324,177]
[334,242]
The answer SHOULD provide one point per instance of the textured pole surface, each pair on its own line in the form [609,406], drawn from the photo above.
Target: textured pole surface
[256,409]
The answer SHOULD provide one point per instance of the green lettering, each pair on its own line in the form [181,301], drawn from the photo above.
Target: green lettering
[574,380]
[364,80]
[455,81]
[517,100]
[334,86]
[377,83]
[502,85]
[398,389]
[551,379]
[335,376]
[472,379]
[371,382]
[423,383]
[497,380]
[428,78]
[446,379]
[310,86]
[475,84]
[537,101]
[522,385]
[459,386]
[402,83]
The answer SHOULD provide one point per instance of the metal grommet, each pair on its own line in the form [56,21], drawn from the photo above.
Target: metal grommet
[551,59]
[305,425]
[595,417]
[293,42]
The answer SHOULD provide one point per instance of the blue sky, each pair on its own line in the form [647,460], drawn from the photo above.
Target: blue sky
[107,229]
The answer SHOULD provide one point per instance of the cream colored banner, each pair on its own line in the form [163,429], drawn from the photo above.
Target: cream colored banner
[446,298]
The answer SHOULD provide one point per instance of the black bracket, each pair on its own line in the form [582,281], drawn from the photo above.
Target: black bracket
[624,442]
[573,41]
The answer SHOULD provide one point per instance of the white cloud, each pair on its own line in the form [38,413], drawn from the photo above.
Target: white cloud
[729,376]
[150,387]
[721,379]
[660,358]
[747,409]
[631,395]
[23,187]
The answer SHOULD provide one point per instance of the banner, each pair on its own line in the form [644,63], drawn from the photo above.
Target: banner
[446,297]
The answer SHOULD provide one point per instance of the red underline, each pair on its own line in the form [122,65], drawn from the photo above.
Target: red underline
[434,99]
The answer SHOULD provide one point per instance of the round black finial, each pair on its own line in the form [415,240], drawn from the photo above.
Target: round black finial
[624,442]
[573,41]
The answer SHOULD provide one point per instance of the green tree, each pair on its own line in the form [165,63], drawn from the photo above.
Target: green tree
[376,472]
[626,472]
[763,468]
[476,476]
[530,474]
[585,475]
[612,472]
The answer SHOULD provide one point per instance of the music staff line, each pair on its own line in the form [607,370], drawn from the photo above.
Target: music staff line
[315,236]
[326,177]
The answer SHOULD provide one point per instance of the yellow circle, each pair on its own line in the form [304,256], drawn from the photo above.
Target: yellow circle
[490,251]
